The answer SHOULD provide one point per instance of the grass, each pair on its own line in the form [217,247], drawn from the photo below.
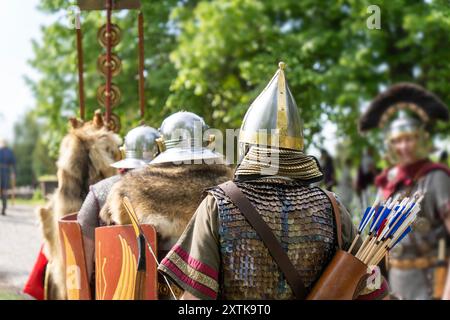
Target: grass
[8,295]
[29,202]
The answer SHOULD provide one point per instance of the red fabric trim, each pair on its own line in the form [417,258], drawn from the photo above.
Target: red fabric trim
[407,175]
[35,283]
[189,281]
[196,264]
[377,294]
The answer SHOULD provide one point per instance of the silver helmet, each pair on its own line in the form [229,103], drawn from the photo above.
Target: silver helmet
[271,137]
[273,118]
[404,123]
[139,148]
[182,140]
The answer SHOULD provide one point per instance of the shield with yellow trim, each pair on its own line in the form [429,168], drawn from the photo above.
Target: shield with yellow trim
[77,284]
[116,263]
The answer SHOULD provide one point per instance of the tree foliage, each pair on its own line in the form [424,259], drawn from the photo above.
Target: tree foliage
[214,57]
[32,154]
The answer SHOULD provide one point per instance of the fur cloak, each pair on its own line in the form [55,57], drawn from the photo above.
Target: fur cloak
[85,156]
[165,196]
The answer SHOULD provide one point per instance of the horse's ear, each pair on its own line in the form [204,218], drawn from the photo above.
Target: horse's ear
[98,119]
[75,123]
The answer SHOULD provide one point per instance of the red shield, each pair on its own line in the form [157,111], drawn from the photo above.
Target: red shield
[77,284]
[116,261]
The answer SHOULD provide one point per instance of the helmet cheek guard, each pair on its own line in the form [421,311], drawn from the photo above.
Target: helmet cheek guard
[182,141]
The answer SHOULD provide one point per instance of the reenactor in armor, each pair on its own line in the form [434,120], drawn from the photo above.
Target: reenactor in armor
[406,113]
[139,149]
[166,193]
[221,256]
[7,172]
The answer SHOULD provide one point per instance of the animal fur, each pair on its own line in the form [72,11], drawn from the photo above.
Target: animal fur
[165,196]
[85,156]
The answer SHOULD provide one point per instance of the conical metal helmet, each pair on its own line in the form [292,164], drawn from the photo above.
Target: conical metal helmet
[182,140]
[271,136]
[139,148]
[273,118]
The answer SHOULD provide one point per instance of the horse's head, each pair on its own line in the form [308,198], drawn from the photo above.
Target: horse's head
[88,151]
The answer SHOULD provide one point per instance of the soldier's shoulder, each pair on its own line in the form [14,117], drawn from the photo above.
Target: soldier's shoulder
[439,174]
[107,182]
[437,179]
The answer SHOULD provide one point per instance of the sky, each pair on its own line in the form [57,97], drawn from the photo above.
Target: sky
[19,23]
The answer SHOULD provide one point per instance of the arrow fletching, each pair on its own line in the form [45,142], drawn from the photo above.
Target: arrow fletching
[363,220]
[408,230]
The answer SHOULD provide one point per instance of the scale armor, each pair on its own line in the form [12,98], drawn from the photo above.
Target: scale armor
[301,218]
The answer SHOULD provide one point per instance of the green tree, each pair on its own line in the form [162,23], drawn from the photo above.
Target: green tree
[55,58]
[228,50]
[32,154]
[214,57]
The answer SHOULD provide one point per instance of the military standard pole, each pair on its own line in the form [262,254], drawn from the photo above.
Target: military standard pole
[109,4]
[141,64]
[80,65]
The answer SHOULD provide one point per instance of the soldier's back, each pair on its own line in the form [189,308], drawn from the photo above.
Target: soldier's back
[300,217]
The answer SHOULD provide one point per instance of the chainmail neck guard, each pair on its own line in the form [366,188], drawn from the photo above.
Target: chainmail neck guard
[263,161]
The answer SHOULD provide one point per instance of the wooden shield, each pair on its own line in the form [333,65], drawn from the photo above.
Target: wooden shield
[116,258]
[77,284]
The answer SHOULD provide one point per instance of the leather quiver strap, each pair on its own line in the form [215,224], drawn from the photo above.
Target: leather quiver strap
[337,217]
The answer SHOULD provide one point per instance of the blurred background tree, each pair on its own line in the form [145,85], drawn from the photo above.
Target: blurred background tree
[214,57]
[32,153]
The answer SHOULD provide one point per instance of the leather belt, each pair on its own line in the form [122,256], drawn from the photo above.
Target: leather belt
[416,263]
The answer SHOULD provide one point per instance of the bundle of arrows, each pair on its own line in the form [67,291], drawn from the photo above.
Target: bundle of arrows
[388,223]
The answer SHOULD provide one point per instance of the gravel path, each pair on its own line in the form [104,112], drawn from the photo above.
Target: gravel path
[20,241]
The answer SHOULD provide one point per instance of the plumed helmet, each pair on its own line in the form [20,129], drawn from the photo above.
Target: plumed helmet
[404,109]
[403,105]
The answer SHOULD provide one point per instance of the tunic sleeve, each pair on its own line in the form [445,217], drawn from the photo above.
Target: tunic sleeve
[88,220]
[194,262]
[88,215]
[440,188]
